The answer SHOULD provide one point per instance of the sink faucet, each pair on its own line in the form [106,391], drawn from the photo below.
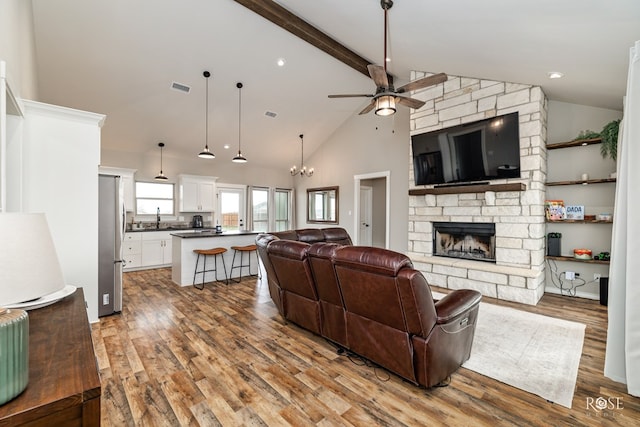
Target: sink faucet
[158,218]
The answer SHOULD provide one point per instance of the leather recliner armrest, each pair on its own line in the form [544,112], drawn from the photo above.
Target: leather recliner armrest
[455,304]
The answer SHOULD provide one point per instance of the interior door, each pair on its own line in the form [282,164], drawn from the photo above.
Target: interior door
[231,208]
[366,215]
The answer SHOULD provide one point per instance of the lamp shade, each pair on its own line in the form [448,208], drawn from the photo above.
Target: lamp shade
[29,266]
[385,105]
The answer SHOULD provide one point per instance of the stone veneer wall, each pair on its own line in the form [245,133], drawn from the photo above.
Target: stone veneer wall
[518,274]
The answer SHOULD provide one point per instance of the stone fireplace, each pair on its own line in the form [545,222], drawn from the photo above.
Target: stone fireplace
[514,206]
[465,240]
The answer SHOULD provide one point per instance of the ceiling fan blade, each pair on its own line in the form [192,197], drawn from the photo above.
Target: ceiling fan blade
[368,107]
[410,102]
[351,95]
[423,82]
[378,75]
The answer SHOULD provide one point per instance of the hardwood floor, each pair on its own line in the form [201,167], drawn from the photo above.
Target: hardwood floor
[223,356]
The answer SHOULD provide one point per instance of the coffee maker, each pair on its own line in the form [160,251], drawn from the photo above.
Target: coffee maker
[197,221]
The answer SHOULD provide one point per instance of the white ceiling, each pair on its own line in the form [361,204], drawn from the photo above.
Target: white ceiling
[119,58]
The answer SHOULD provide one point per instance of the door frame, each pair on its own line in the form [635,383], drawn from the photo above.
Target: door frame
[243,201]
[356,203]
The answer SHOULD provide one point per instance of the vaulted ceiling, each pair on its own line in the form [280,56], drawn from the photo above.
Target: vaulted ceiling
[120,58]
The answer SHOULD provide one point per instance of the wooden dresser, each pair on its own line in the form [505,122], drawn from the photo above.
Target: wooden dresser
[64,385]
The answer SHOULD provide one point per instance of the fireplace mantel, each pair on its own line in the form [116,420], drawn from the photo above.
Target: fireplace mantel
[479,188]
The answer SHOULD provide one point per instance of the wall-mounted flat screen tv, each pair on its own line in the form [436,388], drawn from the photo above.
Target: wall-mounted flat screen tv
[472,152]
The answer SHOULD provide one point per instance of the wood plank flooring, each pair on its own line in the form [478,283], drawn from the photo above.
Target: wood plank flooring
[223,356]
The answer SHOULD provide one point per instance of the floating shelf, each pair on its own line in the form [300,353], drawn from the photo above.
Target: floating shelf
[479,188]
[576,143]
[572,259]
[579,182]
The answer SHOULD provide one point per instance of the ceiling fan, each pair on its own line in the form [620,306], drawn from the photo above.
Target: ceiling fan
[386,96]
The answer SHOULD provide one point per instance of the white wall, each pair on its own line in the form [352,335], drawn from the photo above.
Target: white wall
[363,144]
[17,47]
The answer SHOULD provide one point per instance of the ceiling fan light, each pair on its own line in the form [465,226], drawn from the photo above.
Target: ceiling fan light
[385,105]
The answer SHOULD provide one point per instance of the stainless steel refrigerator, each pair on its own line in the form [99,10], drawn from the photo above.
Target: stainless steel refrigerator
[111,223]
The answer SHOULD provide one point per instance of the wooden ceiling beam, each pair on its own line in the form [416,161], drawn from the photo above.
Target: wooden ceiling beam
[280,16]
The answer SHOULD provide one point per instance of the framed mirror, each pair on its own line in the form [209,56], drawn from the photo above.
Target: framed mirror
[322,205]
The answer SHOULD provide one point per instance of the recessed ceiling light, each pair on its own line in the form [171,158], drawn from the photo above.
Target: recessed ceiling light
[225,146]
[281,62]
[555,74]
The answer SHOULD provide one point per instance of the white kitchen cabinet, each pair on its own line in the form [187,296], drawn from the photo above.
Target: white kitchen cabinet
[128,179]
[132,251]
[196,193]
[155,249]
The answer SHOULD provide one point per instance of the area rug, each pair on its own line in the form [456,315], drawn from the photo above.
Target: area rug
[535,353]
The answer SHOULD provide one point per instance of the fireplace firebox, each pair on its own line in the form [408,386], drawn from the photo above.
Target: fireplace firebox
[466,240]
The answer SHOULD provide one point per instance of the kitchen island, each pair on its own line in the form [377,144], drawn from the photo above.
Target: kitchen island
[184,259]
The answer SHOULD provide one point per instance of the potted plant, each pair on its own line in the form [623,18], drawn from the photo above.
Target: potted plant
[609,136]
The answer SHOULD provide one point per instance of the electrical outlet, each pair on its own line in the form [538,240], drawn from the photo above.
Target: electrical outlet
[570,275]
[105,299]
[596,276]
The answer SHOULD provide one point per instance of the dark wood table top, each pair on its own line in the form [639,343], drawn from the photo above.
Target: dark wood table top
[62,364]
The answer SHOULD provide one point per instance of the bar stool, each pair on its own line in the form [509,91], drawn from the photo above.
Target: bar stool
[243,249]
[210,252]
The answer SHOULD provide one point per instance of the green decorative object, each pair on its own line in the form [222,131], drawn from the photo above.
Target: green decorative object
[609,136]
[587,134]
[14,353]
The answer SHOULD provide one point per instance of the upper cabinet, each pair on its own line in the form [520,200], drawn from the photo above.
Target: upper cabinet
[128,181]
[196,193]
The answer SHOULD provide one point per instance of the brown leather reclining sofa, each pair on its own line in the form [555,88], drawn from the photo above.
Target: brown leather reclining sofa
[370,301]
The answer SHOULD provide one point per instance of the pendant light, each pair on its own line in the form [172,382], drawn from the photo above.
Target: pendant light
[303,169]
[239,158]
[161,176]
[206,154]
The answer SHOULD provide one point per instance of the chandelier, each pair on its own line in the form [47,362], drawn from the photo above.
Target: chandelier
[303,171]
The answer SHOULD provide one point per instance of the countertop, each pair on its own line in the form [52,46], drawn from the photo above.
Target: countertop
[212,233]
[169,229]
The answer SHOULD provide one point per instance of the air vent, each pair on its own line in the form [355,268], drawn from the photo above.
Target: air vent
[180,87]
[270,114]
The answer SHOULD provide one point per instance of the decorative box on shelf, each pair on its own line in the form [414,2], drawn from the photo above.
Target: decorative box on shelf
[574,212]
[554,210]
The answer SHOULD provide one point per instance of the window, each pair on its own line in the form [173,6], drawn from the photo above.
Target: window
[151,196]
[282,210]
[271,209]
[260,208]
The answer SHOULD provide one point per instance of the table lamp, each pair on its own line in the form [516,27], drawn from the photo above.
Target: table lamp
[29,269]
